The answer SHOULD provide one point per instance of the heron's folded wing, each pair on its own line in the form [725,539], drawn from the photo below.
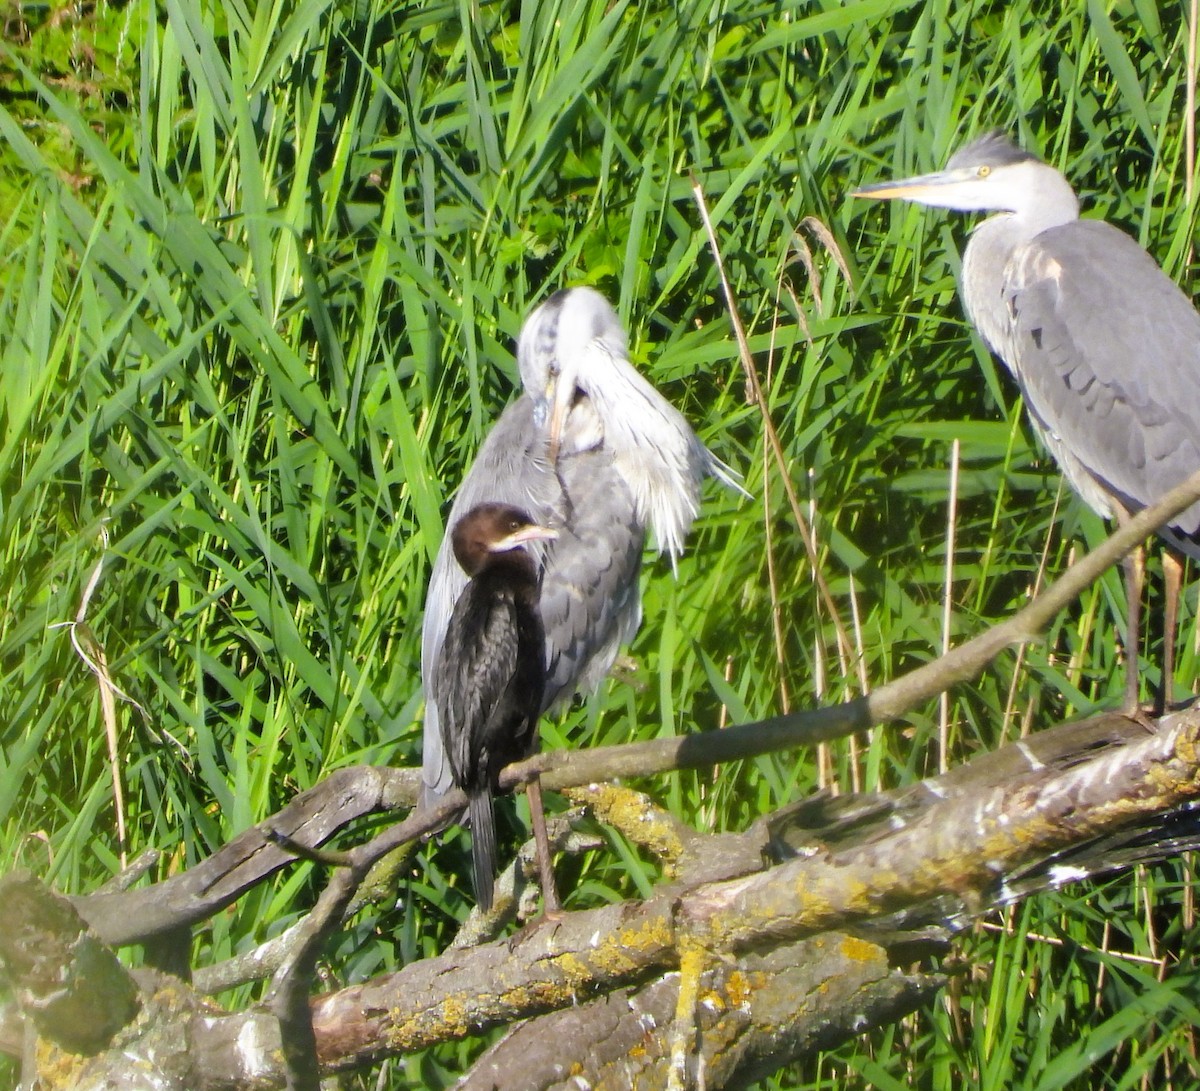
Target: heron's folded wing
[1107,349]
[505,470]
[591,601]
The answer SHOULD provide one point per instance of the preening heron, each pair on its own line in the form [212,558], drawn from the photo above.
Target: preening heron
[490,672]
[594,451]
[1105,347]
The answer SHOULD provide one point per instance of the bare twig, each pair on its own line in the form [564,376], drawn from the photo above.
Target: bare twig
[891,701]
[91,651]
[948,607]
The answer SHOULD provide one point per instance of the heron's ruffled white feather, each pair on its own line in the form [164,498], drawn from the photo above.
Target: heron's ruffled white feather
[654,448]
[577,340]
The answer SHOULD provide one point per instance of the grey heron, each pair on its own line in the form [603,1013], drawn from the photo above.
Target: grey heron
[1104,346]
[594,451]
[487,684]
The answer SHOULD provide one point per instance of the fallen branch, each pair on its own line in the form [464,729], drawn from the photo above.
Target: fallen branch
[755,1016]
[945,846]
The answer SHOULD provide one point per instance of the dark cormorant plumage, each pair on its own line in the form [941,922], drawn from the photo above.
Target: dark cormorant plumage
[491,669]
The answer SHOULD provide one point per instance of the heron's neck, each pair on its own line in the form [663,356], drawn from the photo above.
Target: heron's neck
[987,261]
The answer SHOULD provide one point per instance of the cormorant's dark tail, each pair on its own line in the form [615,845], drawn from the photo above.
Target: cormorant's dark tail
[483,846]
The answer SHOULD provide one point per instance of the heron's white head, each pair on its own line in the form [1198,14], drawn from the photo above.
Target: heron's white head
[991,174]
[553,353]
[574,359]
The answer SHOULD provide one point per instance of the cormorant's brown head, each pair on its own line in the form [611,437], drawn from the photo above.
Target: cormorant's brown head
[489,531]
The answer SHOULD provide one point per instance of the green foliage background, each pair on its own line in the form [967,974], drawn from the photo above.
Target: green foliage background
[264,267]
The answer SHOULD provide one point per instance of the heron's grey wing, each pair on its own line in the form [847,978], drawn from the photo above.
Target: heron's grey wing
[1108,353]
[506,469]
[591,601]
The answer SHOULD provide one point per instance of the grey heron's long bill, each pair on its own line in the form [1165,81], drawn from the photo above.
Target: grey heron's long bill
[961,188]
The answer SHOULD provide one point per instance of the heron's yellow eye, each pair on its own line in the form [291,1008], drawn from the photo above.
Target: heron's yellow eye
[983,171]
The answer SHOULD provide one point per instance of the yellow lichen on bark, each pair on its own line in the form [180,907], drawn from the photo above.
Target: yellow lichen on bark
[454,1016]
[859,950]
[738,988]
[634,815]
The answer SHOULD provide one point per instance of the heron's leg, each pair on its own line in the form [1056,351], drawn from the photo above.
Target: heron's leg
[1173,581]
[1135,578]
[537,817]
[1134,566]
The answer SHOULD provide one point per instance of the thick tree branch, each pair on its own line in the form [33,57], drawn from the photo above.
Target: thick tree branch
[73,987]
[755,1016]
[131,916]
[938,852]
[961,846]
[944,849]
[949,855]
